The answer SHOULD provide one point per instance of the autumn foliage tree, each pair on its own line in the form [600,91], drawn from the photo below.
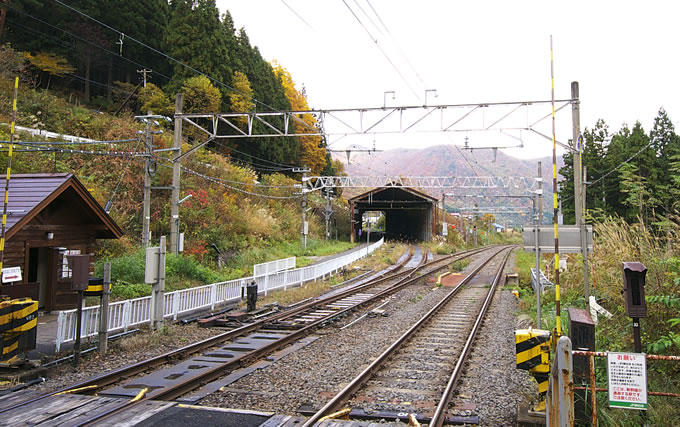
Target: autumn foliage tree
[241,99]
[53,65]
[312,150]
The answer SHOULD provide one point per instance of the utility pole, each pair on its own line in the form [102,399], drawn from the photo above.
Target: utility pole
[576,135]
[328,213]
[144,72]
[538,212]
[584,238]
[540,193]
[176,169]
[444,213]
[304,208]
[146,211]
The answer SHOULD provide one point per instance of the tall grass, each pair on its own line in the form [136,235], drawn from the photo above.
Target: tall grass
[616,242]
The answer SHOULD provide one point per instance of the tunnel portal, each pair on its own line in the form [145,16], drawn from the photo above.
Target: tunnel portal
[409,213]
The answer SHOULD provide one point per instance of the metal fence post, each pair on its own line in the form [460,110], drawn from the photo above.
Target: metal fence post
[175,304]
[560,396]
[61,319]
[213,296]
[127,313]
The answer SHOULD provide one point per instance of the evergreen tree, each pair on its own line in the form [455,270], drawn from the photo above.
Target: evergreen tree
[594,150]
[664,143]
[196,38]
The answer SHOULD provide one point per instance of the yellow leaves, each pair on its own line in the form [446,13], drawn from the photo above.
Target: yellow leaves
[241,100]
[312,154]
[488,218]
[200,96]
[53,64]
[154,99]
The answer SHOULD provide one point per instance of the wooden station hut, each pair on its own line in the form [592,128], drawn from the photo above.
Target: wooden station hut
[49,216]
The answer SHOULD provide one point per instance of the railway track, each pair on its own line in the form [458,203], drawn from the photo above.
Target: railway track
[421,369]
[220,354]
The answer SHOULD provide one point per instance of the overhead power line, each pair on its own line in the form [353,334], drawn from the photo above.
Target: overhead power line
[74,36]
[615,169]
[297,14]
[381,50]
[395,43]
[170,58]
[221,182]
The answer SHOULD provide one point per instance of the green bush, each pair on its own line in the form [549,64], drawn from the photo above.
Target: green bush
[127,268]
[122,290]
[179,266]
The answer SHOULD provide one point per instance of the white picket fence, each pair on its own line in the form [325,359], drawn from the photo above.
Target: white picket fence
[129,313]
[273,266]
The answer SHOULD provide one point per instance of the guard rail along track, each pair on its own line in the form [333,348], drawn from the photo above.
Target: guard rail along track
[218,368]
[416,366]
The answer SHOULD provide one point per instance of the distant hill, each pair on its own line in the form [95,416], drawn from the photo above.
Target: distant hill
[449,160]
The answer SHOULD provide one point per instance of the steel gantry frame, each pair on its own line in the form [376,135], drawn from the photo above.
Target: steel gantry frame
[313,183]
[363,121]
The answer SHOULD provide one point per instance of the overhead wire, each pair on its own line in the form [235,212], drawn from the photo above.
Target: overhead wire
[566,199]
[207,165]
[219,181]
[72,151]
[116,141]
[170,58]
[297,14]
[109,203]
[96,83]
[413,68]
[114,54]
[281,165]
[379,48]
[367,16]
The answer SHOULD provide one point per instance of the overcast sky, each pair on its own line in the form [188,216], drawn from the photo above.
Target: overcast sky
[622,53]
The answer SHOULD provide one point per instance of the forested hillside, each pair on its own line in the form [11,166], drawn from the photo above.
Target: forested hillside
[95,53]
[630,173]
[86,68]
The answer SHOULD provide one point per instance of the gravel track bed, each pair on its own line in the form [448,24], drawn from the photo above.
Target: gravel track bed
[491,380]
[143,345]
[313,374]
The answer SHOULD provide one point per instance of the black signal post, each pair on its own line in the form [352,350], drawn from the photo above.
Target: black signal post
[634,294]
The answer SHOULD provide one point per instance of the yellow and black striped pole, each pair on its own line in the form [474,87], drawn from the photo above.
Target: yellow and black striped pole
[558,321]
[9,171]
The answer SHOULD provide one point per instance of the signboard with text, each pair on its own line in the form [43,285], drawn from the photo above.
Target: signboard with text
[627,378]
[11,274]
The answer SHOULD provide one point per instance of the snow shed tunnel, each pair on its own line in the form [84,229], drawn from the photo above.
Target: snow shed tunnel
[409,214]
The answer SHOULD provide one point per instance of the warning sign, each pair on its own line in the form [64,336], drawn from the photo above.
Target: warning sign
[627,377]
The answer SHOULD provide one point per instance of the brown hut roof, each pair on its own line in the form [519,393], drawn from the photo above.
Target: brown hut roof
[29,194]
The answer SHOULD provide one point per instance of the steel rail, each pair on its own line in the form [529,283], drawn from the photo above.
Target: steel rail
[136,368]
[115,375]
[217,372]
[341,397]
[440,413]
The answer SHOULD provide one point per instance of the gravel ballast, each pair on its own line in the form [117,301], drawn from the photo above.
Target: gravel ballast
[310,376]
[313,374]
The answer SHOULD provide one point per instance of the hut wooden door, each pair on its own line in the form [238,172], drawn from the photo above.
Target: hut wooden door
[61,297]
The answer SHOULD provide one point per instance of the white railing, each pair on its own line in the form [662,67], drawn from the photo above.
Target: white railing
[273,266]
[134,312]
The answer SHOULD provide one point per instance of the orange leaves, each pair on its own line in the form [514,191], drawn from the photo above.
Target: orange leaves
[312,153]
